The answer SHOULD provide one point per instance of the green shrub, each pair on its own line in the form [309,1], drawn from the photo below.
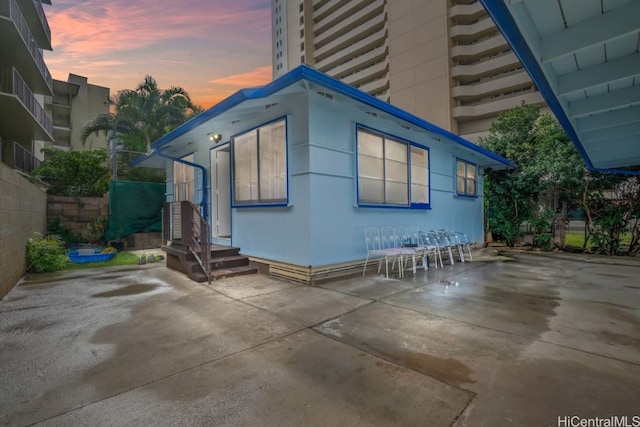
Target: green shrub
[64,232]
[46,254]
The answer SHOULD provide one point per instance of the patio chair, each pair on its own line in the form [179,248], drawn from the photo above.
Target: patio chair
[375,248]
[444,243]
[460,241]
[392,238]
[413,238]
[433,248]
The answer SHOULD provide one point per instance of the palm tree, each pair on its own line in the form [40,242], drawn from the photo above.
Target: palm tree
[142,115]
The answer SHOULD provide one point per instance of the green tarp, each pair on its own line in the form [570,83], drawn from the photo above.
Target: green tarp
[135,207]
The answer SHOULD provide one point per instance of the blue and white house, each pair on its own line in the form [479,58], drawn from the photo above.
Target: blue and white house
[292,172]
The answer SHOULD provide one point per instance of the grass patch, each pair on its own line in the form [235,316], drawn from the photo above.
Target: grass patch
[576,238]
[121,258]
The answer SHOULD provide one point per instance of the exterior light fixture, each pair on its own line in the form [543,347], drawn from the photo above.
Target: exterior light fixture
[215,137]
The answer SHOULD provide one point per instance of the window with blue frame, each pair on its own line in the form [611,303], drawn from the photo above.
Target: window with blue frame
[466,178]
[391,172]
[260,165]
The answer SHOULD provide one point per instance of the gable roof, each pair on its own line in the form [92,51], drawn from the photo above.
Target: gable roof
[584,58]
[307,73]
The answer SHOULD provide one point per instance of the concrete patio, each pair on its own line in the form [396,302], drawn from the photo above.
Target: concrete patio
[490,342]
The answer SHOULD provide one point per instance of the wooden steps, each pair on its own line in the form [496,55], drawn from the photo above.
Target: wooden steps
[225,261]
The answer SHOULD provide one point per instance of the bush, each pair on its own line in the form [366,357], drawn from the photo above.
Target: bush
[64,232]
[46,254]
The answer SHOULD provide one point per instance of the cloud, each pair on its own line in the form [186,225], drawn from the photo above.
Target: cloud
[196,44]
[93,28]
[257,77]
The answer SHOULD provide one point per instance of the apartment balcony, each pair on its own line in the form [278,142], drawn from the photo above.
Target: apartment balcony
[478,29]
[343,44]
[378,88]
[62,137]
[328,8]
[345,19]
[20,48]
[358,62]
[496,107]
[36,19]
[21,116]
[492,86]
[24,160]
[493,65]
[357,79]
[477,50]
[467,11]
[338,56]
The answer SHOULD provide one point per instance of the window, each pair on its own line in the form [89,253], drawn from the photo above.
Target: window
[466,182]
[391,172]
[260,165]
[183,180]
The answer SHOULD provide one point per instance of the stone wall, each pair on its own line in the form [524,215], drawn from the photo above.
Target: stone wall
[78,213]
[23,211]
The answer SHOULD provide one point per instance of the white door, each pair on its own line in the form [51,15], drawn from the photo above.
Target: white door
[221,189]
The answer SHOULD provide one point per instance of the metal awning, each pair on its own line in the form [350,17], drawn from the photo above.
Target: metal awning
[584,56]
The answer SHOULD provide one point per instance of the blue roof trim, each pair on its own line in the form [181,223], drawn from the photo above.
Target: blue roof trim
[305,72]
[503,19]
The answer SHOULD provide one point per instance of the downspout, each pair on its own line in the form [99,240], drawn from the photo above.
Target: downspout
[203,205]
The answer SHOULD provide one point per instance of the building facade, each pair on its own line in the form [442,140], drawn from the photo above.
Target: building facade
[74,103]
[25,81]
[297,194]
[442,60]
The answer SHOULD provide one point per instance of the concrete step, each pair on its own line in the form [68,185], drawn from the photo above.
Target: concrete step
[228,261]
[233,271]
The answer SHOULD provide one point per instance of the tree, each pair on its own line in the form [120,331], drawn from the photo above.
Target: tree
[142,115]
[74,173]
[550,171]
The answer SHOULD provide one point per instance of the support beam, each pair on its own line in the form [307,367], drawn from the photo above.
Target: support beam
[608,26]
[631,129]
[612,100]
[627,66]
[609,119]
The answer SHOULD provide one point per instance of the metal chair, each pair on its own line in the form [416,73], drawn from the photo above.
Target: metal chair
[376,248]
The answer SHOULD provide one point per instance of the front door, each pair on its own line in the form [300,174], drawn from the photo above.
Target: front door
[221,192]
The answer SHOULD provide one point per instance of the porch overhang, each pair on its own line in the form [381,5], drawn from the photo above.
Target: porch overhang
[584,58]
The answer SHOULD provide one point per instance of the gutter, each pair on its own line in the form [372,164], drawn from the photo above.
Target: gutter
[203,203]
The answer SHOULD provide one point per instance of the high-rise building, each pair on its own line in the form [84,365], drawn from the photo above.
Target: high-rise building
[442,60]
[74,103]
[25,81]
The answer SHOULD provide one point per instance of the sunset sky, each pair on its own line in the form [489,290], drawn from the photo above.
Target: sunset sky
[211,48]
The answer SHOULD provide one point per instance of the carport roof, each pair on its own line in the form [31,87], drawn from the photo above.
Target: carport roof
[584,58]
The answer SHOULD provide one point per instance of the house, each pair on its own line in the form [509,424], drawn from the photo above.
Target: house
[292,172]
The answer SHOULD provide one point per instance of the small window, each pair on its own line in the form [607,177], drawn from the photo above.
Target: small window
[391,172]
[301,7]
[260,165]
[466,178]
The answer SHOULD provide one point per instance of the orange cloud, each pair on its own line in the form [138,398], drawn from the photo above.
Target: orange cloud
[257,77]
[200,45]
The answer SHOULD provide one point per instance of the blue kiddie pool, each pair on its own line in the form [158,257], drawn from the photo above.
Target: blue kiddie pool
[84,255]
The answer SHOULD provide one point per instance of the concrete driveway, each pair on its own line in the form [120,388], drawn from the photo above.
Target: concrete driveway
[531,341]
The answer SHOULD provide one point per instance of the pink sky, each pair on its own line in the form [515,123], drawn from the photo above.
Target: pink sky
[211,48]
